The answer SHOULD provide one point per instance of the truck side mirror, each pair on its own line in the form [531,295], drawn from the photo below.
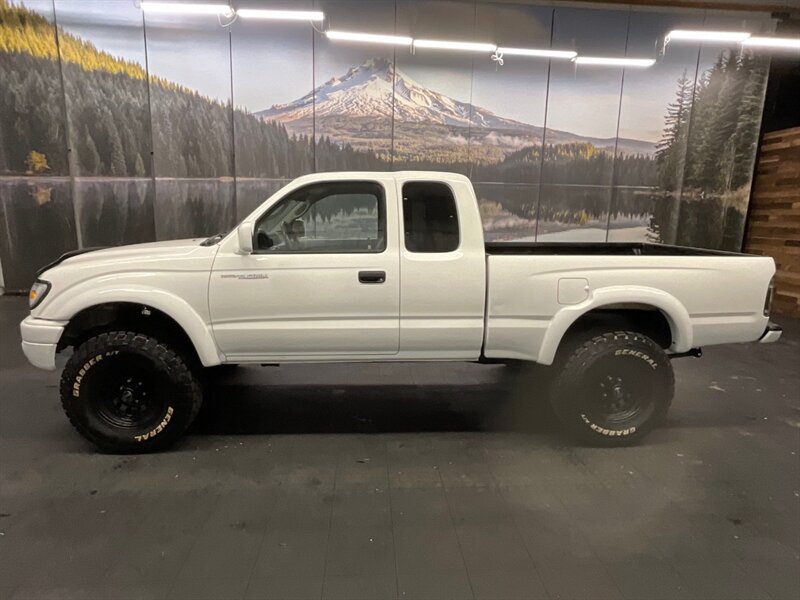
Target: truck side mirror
[244,236]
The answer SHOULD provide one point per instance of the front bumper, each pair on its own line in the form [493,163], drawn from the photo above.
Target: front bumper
[771,334]
[40,340]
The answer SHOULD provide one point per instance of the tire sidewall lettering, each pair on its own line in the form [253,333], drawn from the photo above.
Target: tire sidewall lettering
[158,429]
[637,354]
[76,385]
[608,432]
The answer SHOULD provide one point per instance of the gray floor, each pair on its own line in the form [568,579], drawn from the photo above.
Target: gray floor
[408,481]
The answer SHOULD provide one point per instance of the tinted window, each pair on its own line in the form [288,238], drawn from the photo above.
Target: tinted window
[331,217]
[429,217]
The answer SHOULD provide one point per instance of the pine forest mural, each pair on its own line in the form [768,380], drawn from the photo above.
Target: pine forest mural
[108,135]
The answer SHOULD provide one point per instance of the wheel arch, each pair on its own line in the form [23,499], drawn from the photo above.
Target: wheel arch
[636,307]
[160,314]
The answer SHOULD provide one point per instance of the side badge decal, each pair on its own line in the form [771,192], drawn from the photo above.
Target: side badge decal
[245,276]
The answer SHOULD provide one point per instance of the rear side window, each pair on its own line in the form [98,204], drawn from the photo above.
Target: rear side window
[429,217]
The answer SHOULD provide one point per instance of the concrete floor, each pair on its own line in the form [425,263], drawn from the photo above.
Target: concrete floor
[408,481]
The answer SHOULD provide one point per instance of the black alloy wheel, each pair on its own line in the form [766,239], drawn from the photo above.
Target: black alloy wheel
[127,393]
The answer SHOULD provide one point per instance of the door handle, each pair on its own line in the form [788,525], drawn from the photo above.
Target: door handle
[372,276]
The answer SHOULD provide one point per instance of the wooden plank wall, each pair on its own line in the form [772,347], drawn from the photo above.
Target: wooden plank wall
[773,227]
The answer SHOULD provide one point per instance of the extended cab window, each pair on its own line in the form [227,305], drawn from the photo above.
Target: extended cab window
[330,217]
[429,217]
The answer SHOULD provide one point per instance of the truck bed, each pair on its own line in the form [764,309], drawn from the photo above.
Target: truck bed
[708,296]
[599,249]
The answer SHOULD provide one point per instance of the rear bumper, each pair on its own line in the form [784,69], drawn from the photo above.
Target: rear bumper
[771,334]
[40,340]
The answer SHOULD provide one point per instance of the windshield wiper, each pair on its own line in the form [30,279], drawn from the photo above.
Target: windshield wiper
[214,239]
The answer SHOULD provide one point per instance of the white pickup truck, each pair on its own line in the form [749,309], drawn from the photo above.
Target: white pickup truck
[382,267]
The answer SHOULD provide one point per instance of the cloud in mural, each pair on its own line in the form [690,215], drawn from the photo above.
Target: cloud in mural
[345,107]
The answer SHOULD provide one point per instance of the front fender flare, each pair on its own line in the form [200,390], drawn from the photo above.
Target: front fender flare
[673,310]
[172,305]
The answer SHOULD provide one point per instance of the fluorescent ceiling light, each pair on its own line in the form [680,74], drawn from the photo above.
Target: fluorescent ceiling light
[535,52]
[282,15]
[617,62]
[448,45]
[707,36]
[369,37]
[772,42]
[183,8]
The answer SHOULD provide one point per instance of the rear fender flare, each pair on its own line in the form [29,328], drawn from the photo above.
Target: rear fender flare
[673,310]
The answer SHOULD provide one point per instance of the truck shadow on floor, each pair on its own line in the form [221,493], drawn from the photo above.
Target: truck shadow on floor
[238,408]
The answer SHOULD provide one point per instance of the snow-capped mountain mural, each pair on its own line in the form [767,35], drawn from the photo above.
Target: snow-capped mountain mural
[346,107]
[369,90]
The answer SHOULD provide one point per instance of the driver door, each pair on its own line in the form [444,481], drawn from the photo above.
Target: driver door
[322,283]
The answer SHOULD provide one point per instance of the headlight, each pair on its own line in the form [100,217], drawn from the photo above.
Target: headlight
[38,291]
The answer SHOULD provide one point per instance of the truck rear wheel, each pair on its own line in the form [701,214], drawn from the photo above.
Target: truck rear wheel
[128,392]
[613,389]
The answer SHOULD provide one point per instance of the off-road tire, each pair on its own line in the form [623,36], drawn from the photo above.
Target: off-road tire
[585,385]
[93,388]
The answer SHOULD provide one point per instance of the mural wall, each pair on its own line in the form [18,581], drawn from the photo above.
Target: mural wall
[119,127]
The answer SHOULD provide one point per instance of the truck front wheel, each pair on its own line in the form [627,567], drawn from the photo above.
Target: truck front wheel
[612,389]
[128,392]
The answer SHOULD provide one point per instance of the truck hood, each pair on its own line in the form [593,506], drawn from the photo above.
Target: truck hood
[135,252]
[171,255]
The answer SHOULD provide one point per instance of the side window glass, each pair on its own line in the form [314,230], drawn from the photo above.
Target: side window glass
[430,219]
[326,218]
